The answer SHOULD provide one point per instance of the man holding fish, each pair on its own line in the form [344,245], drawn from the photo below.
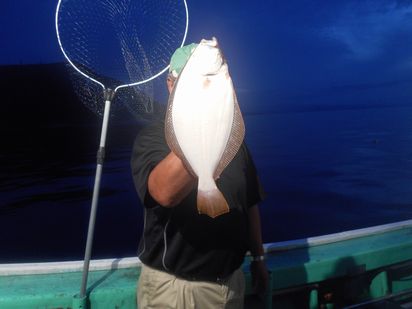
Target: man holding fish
[199,186]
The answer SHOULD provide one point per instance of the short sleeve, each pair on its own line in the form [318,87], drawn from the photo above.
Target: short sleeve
[255,192]
[149,149]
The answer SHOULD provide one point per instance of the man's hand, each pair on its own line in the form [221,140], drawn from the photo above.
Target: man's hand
[260,277]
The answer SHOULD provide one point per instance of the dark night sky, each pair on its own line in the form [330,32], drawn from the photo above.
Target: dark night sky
[294,52]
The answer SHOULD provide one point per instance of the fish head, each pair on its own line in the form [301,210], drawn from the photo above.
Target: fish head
[208,58]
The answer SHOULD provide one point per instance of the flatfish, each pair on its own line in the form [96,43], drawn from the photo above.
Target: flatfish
[204,126]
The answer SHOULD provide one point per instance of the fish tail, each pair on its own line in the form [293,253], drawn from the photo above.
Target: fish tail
[211,203]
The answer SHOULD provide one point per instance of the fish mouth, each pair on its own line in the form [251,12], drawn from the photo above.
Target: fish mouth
[218,67]
[212,73]
[216,60]
[212,43]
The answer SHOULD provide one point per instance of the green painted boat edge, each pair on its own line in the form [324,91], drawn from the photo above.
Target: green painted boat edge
[336,237]
[382,254]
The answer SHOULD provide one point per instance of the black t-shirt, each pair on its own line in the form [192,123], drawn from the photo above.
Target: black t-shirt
[181,241]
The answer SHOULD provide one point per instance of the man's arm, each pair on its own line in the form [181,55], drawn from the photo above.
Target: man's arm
[260,276]
[170,182]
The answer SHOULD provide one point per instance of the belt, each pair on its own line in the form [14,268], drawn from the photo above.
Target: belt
[213,279]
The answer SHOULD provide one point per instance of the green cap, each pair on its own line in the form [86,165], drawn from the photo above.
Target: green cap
[180,57]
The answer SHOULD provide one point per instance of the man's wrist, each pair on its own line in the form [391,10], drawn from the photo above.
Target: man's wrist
[257,258]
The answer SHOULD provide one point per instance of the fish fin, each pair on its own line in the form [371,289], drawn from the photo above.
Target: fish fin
[212,203]
[236,137]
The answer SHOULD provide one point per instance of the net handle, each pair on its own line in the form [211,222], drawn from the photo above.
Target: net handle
[96,81]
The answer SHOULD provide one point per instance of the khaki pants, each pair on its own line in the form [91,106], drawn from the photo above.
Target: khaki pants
[160,290]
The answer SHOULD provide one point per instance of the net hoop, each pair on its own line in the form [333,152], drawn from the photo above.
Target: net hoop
[100,83]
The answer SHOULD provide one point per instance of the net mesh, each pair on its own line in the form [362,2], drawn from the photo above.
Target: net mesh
[136,101]
[119,42]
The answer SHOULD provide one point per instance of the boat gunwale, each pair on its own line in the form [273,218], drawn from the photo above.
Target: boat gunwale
[132,262]
[336,237]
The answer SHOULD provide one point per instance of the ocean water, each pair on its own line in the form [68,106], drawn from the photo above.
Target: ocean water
[322,171]
[330,171]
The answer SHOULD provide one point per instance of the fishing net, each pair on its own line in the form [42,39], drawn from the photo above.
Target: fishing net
[117,46]
[121,45]
[135,102]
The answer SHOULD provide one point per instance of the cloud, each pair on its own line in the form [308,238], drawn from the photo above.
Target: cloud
[363,28]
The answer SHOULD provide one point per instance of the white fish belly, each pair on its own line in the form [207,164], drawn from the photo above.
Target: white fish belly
[202,121]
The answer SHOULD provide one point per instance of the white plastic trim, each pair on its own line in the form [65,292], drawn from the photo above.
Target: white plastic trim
[336,237]
[69,266]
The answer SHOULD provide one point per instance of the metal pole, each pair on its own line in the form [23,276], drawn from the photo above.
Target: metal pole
[108,96]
